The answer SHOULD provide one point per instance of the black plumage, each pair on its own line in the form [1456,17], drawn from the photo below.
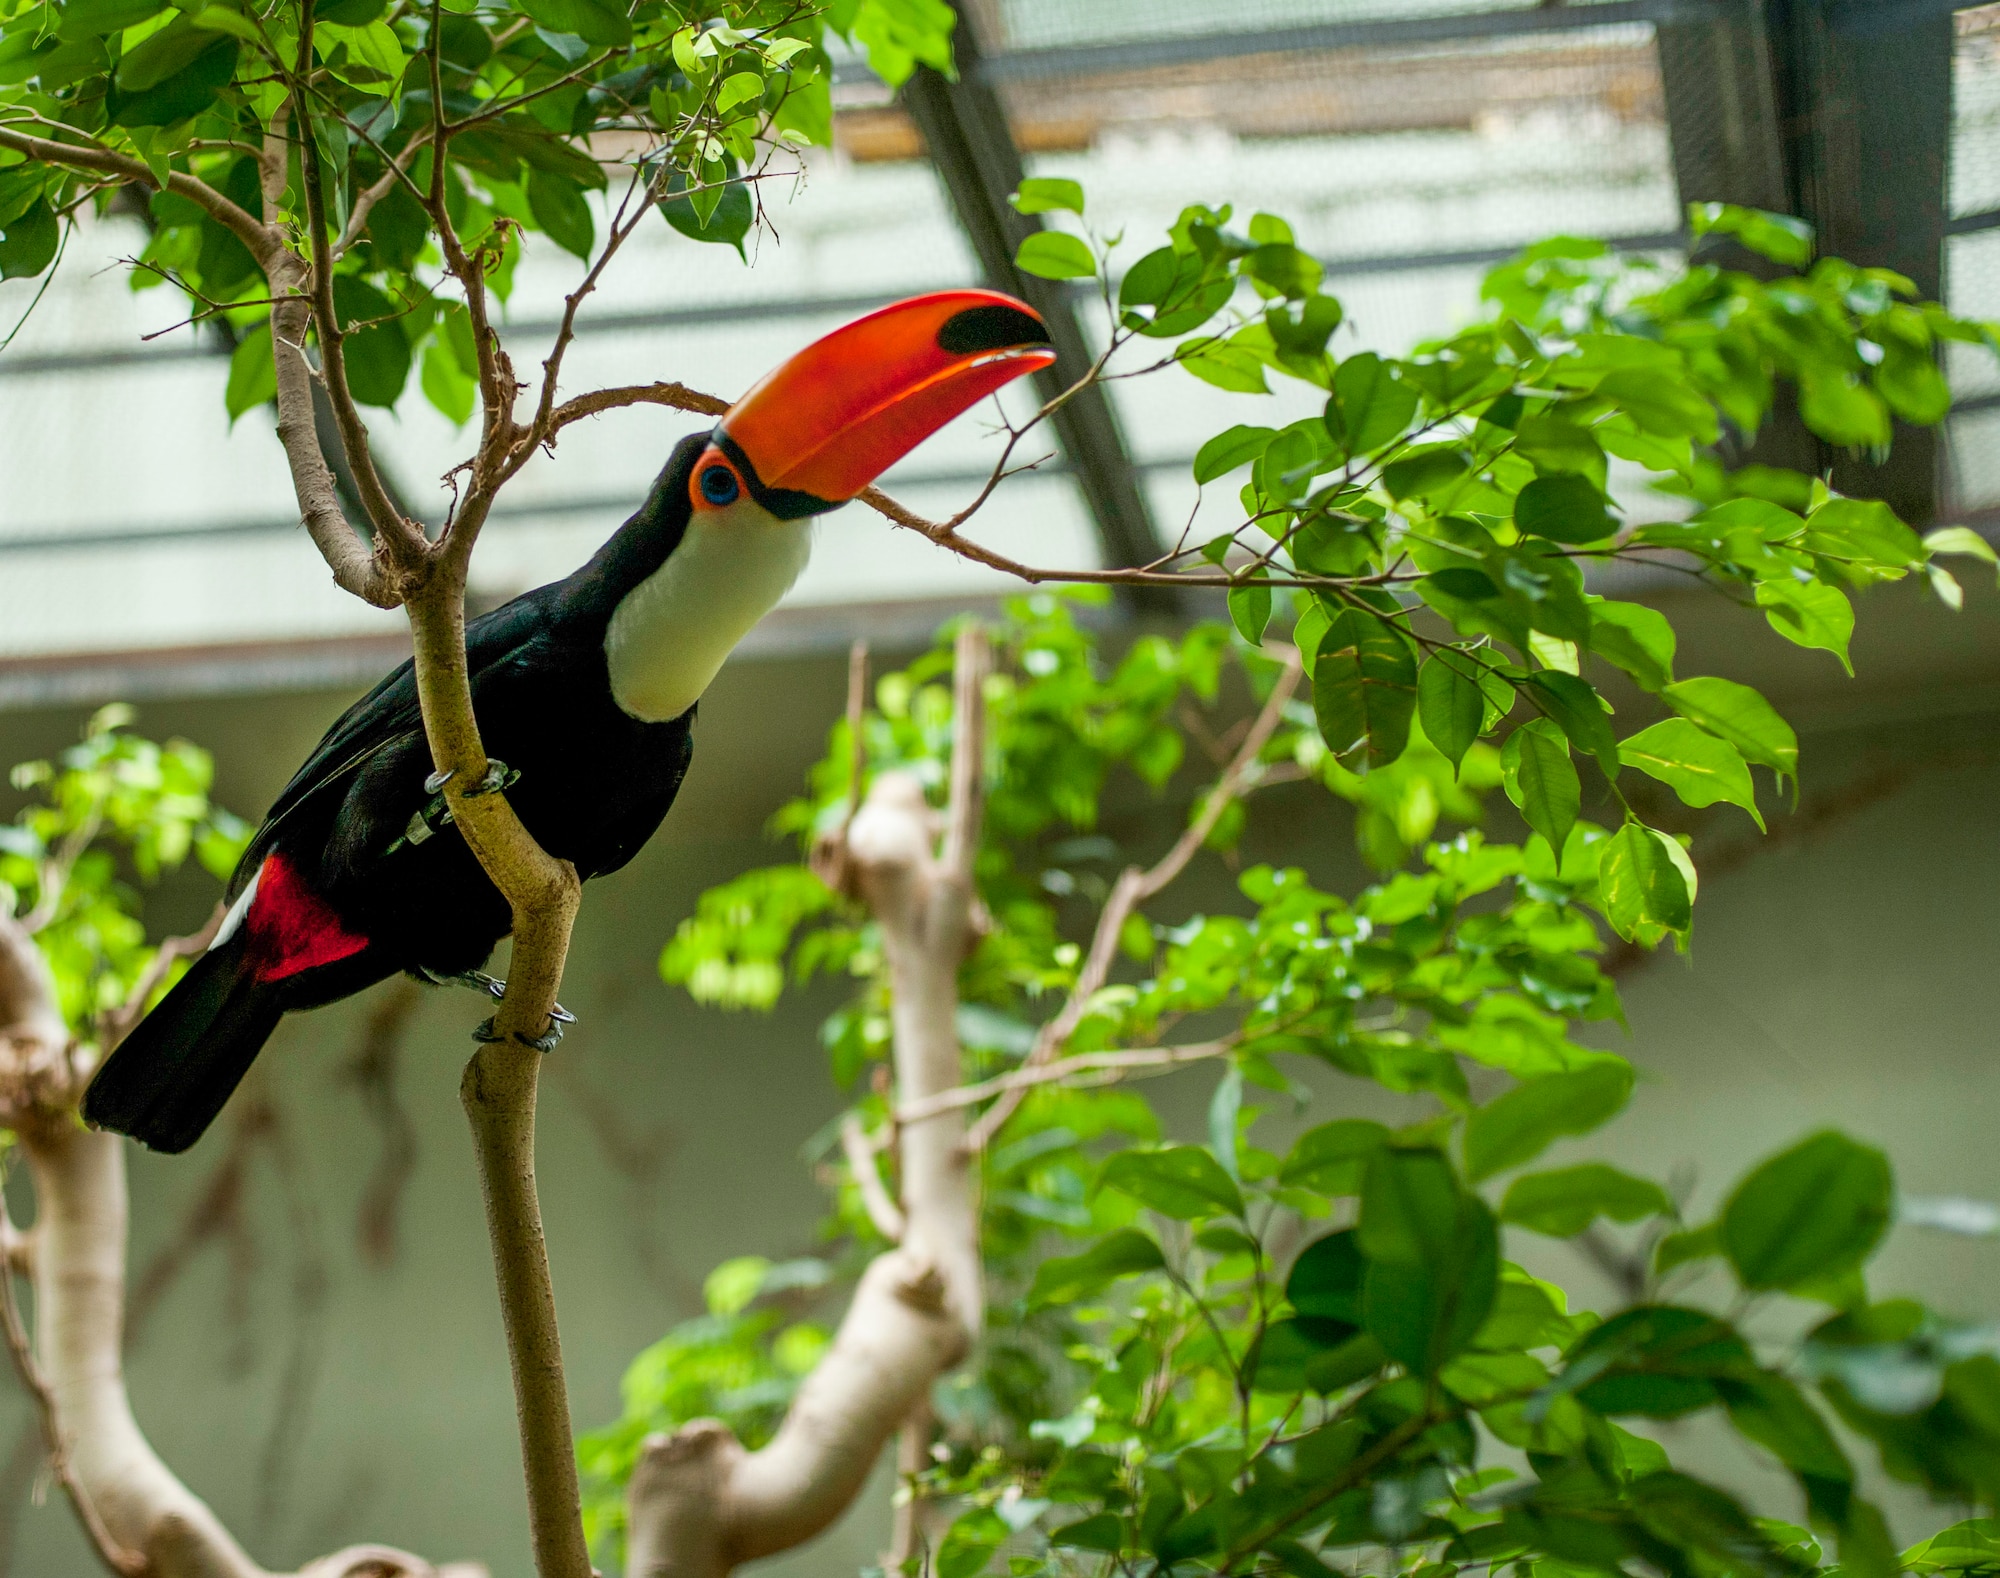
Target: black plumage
[357,899]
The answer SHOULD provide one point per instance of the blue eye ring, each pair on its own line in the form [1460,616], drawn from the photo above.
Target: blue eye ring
[719,485]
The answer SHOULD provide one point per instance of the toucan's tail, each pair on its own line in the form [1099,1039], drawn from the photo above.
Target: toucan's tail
[169,1078]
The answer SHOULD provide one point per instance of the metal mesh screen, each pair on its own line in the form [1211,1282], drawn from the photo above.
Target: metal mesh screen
[1972,258]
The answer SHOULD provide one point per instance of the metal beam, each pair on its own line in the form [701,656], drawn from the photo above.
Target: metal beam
[965,130]
[1839,112]
[1140,54]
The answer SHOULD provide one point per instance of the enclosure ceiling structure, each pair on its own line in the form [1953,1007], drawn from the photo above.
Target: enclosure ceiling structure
[147,547]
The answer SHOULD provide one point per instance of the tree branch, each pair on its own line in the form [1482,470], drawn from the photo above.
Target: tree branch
[699,1504]
[138,1514]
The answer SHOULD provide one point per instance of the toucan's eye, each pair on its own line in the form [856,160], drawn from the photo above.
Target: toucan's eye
[718,485]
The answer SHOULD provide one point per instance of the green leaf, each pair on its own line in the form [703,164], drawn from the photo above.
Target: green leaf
[1330,1159]
[1180,1181]
[1565,509]
[29,242]
[1055,254]
[584,19]
[1068,1278]
[174,74]
[1866,534]
[1250,610]
[559,208]
[1680,1249]
[725,225]
[445,384]
[1364,686]
[253,376]
[1433,1258]
[1741,716]
[1779,237]
[1810,1213]
[1841,409]
[1227,366]
[1326,1280]
[1962,540]
[1370,404]
[1237,446]
[1575,707]
[1541,780]
[1636,638]
[1100,1532]
[1565,1201]
[93,18]
[1660,1360]
[1642,883]
[1664,407]
[1426,474]
[378,352]
[1557,446]
[1774,1413]
[1045,194]
[1809,613]
[1451,704]
[1698,766]
[1517,1127]
[738,88]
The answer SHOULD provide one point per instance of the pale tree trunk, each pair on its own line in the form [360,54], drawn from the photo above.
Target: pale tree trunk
[135,1511]
[699,1504]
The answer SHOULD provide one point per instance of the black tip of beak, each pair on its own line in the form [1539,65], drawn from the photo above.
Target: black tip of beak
[990,328]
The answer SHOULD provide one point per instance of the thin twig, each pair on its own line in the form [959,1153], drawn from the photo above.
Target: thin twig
[1132,889]
[882,1211]
[1113,1065]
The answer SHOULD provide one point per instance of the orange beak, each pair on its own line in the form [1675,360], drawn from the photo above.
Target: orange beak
[833,418]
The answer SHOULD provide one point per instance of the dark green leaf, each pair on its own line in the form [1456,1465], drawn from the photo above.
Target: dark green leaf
[1290,1349]
[1517,1127]
[1330,1159]
[1433,1258]
[1557,446]
[1659,1360]
[253,376]
[1664,407]
[726,225]
[1563,1202]
[559,208]
[1250,610]
[1566,509]
[1450,702]
[1364,686]
[1426,474]
[1101,1532]
[28,244]
[153,99]
[1575,707]
[585,19]
[1181,1181]
[1810,1213]
[92,18]
[1541,780]
[1326,1279]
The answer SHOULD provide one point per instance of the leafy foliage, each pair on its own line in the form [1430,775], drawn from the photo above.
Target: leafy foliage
[712,99]
[1251,1356]
[113,807]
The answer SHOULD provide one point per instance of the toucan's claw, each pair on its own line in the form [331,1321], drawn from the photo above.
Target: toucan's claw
[548,1041]
[477,980]
[498,776]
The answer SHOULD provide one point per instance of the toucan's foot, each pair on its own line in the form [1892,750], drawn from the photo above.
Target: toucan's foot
[548,1041]
[477,980]
[498,776]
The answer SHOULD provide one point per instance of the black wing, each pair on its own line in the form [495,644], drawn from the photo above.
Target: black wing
[389,716]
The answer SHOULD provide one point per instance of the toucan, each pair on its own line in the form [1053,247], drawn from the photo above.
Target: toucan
[585,691]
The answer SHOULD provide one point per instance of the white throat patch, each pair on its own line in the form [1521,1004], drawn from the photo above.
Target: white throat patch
[673,631]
